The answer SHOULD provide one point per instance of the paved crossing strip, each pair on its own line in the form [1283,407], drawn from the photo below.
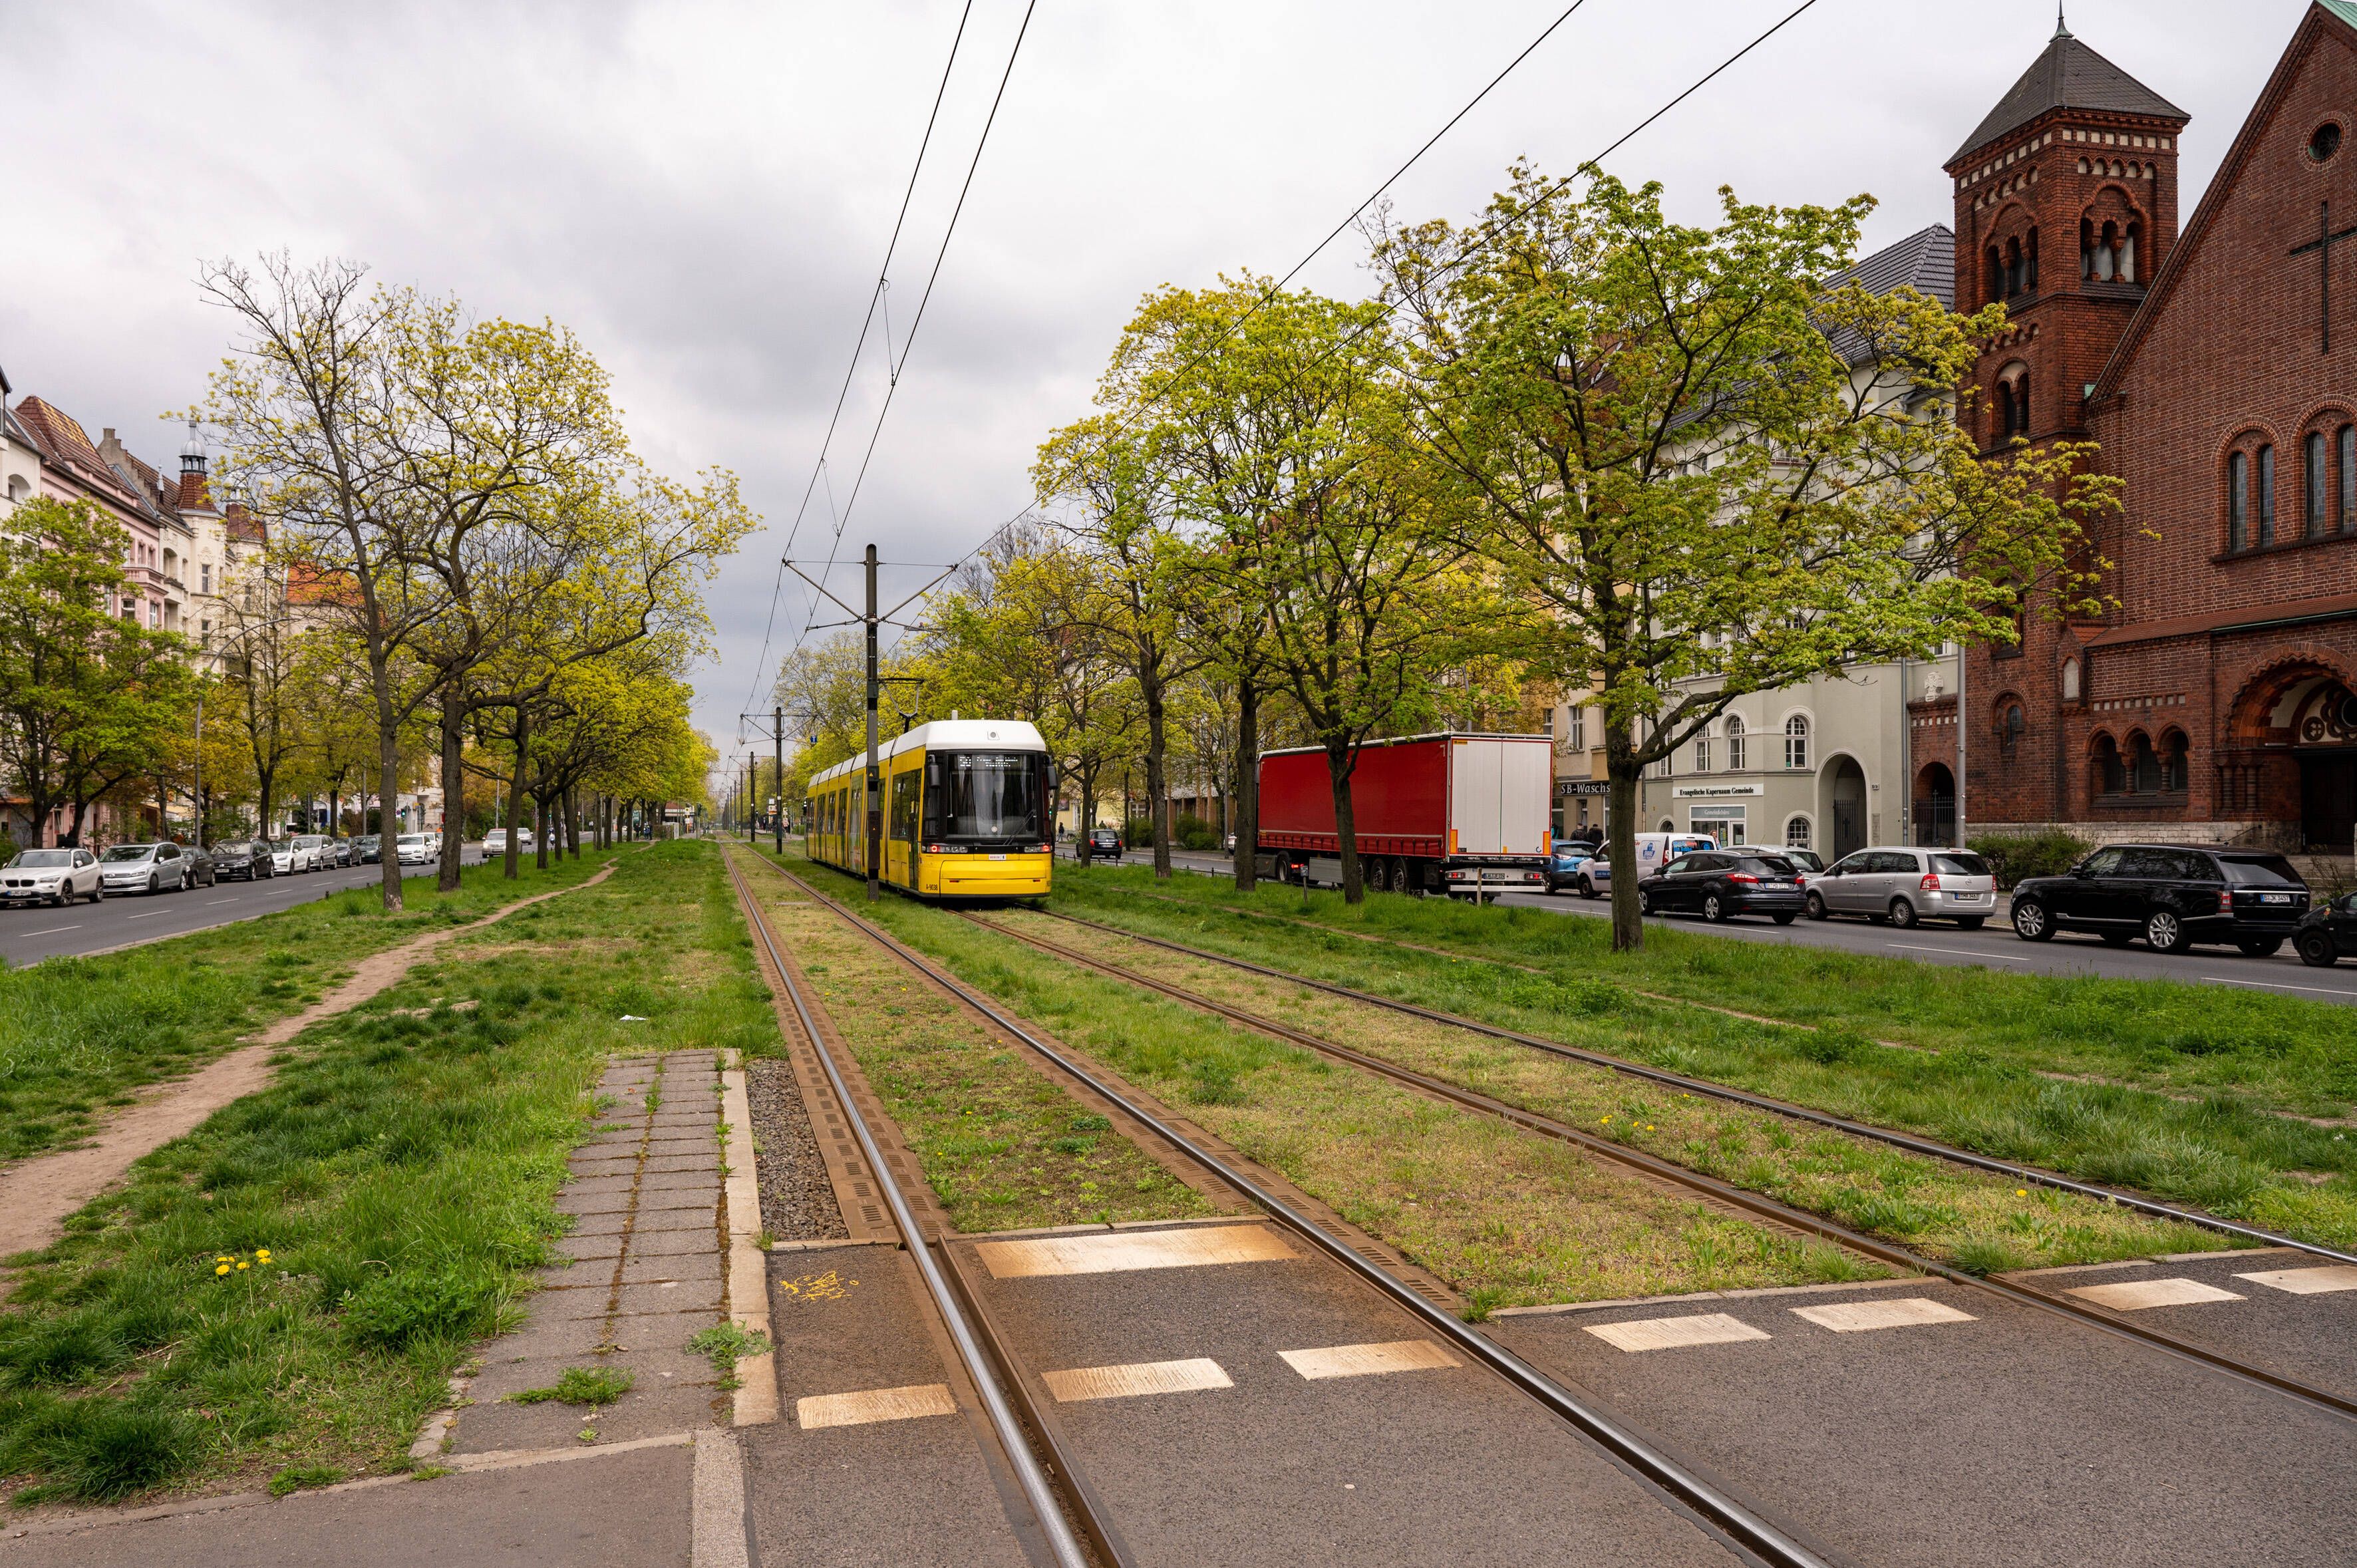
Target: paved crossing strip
[1864,1317]
[1137,1377]
[874,1404]
[1110,1253]
[2137,1295]
[1671,1332]
[2306,1282]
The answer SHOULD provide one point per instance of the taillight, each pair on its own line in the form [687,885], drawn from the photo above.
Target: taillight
[1746,879]
[937,849]
[2225,901]
[1930,883]
[1043,849]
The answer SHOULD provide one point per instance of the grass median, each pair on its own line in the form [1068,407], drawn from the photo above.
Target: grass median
[285,1292]
[80,1036]
[2232,1100]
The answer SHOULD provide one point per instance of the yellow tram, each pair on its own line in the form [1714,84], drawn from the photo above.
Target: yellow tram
[966,812]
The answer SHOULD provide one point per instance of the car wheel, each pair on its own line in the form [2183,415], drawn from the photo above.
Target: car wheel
[1902,914]
[155,883]
[1713,909]
[1968,922]
[2259,946]
[1587,888]
[1786,919]
[1644,902]
[2030,921]
[1817,910]
[2164,931]
[2316,949]
[98,894]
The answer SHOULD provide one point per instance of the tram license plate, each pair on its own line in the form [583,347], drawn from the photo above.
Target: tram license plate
[999,857]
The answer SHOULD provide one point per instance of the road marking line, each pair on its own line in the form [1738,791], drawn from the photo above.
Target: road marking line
[1103,1254]
[143,917]
[1671,1332]
[1862,1317]
[1137,1377]
[2306,1282]
[2279,985]
[1960,952]
[52,931]
[210,902]
[874,1404]
[2137,1295]
[1366,1360]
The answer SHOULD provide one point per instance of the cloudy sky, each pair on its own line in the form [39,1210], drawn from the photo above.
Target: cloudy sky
[705,190]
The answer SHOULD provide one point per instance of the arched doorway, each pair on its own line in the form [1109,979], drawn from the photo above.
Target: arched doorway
[2295,736]
[1841,788]
[1934,816]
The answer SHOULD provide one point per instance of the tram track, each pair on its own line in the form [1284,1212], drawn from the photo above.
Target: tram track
[1754,1204]
[1674,1479]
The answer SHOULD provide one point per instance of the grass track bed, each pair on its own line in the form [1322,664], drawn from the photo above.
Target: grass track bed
[399,1174]
[80,1035]
[1510,1217]
[1974,1084]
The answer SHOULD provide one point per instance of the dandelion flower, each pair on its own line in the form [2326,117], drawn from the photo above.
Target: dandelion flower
[224,1258]
[220,1268]
[245,1265]
[2021,1192]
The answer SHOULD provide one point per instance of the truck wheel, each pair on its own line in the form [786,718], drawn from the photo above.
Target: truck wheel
[1400,876]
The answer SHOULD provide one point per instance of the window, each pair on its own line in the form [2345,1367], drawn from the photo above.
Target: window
[2263,534]
[1575,728]
[2345,507]
[2173,771]
[2011,724]
[1796,741]
[2314,484]
[1723,823]
[1796,834]
[2238,501]
[2109,778]
[2070,680]
[2144,765]
[1735,743]
[207,572]
[2324,142]
[1702,750]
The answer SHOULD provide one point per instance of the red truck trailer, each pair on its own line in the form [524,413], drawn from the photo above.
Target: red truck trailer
[1432,813]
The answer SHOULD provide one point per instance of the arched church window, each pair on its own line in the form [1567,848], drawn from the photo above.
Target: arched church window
[2070,680]
[1996,274]
[2012,268]
[2263,534]
[2012,722]
[2347,504]
[1796,741]
[2109,778]
[2173,770]
[2030,262]
[2144,765]
[2314,484]
[2108,253]
[2238,501]
[2127,269]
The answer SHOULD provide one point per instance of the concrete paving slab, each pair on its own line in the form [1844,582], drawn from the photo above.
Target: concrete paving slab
[685,1241]
[694,1295]
[490,1427]
[685,1267]
[613,1511]
[581,1248]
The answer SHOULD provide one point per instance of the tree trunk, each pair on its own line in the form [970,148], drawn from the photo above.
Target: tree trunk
[572,824]
[515,797]
[1157,787]
[388,781]
[540,831]
[1340,765]
[1621,769]
[1246,814]
[454,790]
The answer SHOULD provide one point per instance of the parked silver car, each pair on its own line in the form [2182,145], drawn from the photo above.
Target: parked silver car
[311,852]
[1903,885]
[51,876]
[146,869]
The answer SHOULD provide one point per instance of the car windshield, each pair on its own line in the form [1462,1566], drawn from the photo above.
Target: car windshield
[41,859]
[1770,865]
[2262,871]
[412,838]
[129,851]
[1960,865]
[1806,859]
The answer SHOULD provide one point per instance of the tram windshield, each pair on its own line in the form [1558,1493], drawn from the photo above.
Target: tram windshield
[989,794]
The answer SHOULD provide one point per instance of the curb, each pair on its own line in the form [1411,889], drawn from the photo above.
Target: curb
[756,1402]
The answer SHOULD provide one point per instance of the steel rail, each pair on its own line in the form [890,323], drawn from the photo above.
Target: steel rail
[1653,1165]
[1928,1147]
[1037,1491]
[1751,1532]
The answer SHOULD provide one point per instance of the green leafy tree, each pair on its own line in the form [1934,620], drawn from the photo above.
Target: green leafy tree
[1699,470]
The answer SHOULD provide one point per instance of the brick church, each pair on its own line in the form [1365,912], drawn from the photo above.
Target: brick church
[2216,363]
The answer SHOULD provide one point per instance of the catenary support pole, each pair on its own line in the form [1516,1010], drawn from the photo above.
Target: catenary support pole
[778,777]
[874,782]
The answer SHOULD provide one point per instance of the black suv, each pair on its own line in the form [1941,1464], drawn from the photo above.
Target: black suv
[1099,841]
[2170,895]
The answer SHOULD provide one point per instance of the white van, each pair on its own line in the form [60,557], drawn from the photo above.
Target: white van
[1654,851]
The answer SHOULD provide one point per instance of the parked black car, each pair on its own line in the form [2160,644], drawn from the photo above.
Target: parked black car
[1721,885]
[2328,933]
[1100,840]
[2170,895]
[247,858]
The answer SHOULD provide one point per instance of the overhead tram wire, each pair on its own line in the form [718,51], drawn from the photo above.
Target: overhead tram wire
[852,371]
[1488,232]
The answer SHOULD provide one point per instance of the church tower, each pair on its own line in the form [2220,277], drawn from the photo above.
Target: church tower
[2066,203]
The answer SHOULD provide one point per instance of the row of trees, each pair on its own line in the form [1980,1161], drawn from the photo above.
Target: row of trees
[1575,447]
[456,504]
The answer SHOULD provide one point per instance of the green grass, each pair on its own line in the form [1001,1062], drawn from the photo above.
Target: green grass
[400,1173]
[1002,1147]
[591,1386]
[79,1034]
[2192,1093]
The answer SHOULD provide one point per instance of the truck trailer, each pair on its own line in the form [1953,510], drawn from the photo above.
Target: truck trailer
[1431,813]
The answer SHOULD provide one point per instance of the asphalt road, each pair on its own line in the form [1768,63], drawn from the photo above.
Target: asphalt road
[1993,946]
[31,933]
